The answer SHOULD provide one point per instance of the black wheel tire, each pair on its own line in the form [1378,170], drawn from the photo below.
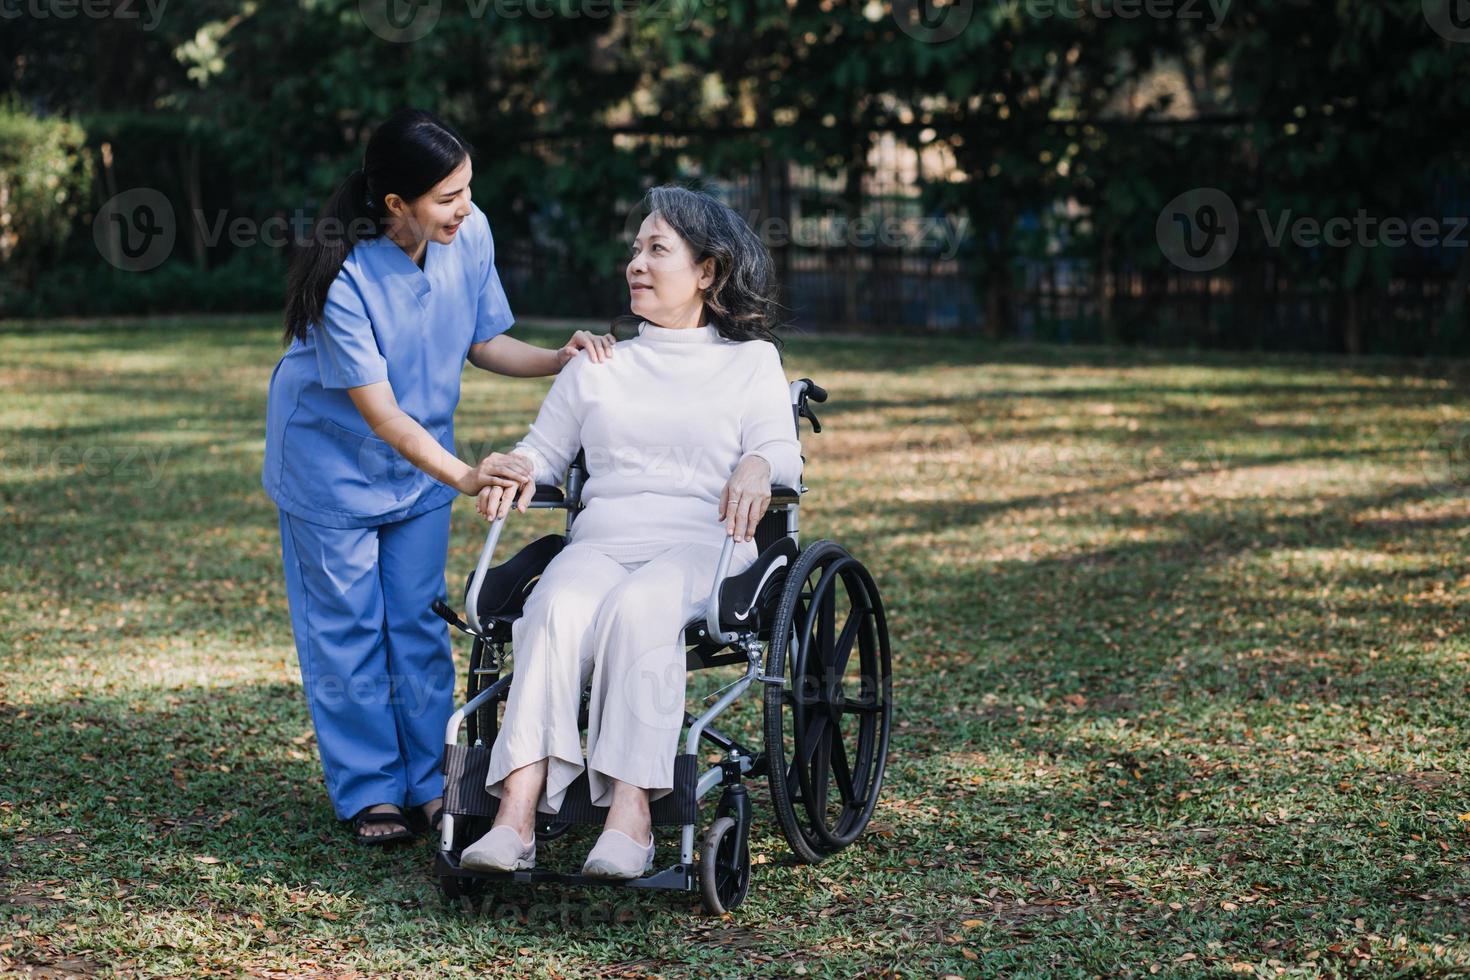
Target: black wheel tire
[724,876]
[549,830]
[813,702]
[456,888]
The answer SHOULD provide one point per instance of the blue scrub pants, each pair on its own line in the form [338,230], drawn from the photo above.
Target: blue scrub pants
[375,661]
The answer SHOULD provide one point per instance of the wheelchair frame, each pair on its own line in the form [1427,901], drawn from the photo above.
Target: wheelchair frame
[723,871]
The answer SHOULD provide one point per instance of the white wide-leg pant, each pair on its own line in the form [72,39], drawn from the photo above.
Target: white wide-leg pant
[622,624]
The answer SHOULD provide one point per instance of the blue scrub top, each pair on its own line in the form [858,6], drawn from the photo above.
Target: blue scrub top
[385,319]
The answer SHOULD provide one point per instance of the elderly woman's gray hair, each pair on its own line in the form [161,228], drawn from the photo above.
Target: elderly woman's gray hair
[740,303]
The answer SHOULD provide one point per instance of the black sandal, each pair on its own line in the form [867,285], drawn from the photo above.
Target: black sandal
[365,817]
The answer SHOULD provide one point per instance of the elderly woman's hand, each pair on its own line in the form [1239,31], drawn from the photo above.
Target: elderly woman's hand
[505,476]
[746,497]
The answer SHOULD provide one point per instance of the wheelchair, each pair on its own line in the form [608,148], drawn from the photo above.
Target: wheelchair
[806,624]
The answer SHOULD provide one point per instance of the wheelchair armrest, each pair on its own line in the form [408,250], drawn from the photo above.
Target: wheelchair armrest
[743,596]
[783,495]
[549,495]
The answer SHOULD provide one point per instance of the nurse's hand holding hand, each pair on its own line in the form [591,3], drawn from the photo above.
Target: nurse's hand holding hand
[598,347]
[496,469]
[509,471]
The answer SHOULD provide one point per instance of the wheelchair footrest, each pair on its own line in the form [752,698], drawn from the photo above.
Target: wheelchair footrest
[674,878]
[465,768]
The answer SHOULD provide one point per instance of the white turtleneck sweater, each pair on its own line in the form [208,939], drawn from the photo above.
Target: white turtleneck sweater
[664,423]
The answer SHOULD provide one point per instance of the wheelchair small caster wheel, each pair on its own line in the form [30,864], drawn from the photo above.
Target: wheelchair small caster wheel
[456,888]
[550,830]
[724,876]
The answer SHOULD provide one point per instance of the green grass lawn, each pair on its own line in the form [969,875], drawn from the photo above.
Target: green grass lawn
[1181,677]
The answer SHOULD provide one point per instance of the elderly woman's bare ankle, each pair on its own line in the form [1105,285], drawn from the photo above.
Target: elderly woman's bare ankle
[629,811]
[518,798]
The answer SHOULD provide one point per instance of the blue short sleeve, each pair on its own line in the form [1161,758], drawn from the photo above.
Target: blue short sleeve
[347,353]
[492,316]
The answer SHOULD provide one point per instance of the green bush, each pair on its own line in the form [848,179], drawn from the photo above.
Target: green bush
[45,178]
[247,281]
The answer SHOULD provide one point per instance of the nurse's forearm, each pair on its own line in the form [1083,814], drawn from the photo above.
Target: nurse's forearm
[414,444]
[378,407]
[514,358]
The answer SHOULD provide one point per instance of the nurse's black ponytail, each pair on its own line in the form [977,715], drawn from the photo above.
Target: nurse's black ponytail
[407,155]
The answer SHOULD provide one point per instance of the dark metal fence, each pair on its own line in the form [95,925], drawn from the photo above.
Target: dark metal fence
[859,251]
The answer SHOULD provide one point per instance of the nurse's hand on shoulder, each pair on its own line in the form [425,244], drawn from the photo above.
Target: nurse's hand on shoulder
[598,347]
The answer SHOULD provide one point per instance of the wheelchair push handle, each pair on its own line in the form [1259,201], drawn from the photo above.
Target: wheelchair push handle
[804,392]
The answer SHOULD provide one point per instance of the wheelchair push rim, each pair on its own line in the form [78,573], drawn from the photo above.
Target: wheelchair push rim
[827,723]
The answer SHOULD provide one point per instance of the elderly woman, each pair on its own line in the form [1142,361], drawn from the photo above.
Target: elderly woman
[685,427]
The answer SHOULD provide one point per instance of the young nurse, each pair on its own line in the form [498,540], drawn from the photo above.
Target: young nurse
[396,289]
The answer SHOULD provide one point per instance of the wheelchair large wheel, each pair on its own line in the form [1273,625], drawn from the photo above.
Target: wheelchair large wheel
[827,724]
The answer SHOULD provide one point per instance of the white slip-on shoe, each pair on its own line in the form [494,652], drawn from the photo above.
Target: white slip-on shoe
[616,855]
[500,850]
